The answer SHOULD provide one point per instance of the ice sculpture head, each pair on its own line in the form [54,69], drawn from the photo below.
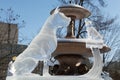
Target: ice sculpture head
[92,32]
[60,19]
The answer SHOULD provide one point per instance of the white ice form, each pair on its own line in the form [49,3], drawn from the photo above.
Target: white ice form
[94,73]
[41,46]
[94,42]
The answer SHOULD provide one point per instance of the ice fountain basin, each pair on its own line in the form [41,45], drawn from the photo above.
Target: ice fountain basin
[72,45]
[77,11]
[71,52]
[77,47]
[75,44]
[74,12]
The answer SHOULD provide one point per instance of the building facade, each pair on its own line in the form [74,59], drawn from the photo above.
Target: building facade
[8,33]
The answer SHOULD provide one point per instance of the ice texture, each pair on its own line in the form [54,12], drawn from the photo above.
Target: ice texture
[94,73]
[96,70]
[93,35]
[41,46]
[92,32]
[94,42]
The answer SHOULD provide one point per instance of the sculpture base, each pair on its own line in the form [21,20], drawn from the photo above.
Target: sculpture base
[77,47]
[49,78]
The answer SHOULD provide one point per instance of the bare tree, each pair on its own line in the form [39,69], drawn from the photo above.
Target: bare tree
[96,16]
[8,41]
[8,16]
[111,36]
[103,24]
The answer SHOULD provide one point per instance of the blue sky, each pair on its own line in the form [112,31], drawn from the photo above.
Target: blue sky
[35,12]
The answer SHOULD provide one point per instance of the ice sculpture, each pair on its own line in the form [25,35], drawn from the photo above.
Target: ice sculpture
[46,42]
[93,35]
[41,46]
[92,32]
[93,74]
[96,71]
